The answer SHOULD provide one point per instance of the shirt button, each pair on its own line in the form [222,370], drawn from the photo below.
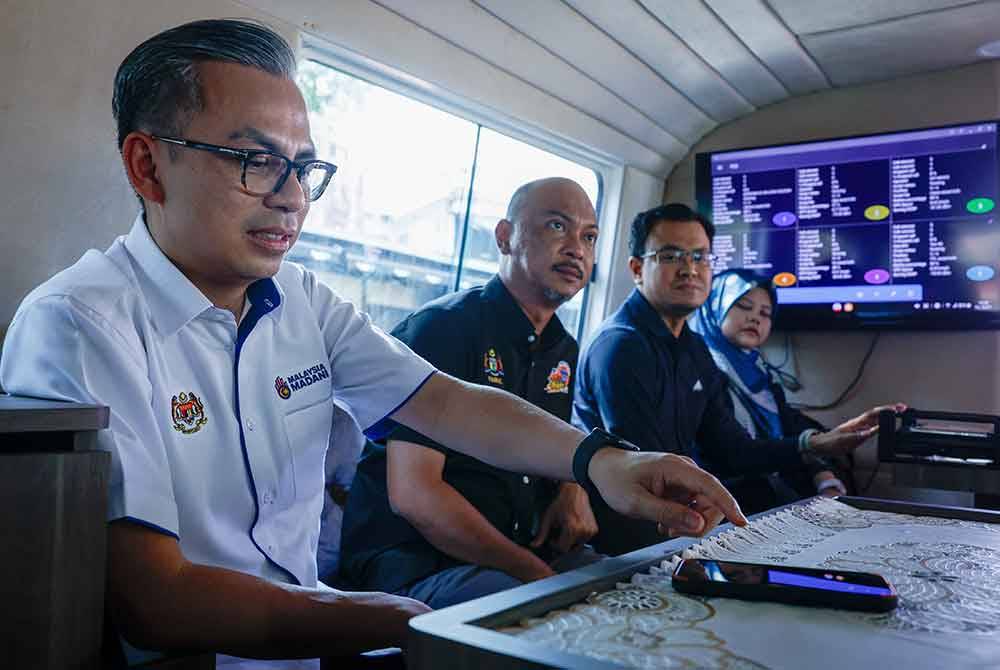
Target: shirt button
[516,526]
[526,479]
[251,425]
[267,498]
[531,338]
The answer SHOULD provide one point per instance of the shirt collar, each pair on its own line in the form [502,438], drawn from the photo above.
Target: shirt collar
[643,314]
[174,301]
[514,323]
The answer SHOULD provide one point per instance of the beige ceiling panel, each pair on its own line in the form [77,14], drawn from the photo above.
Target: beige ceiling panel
[920,43]
[815,17]
[482,34]
[760,29]
[698,27]
[634,28]
[444,68]
[559,29]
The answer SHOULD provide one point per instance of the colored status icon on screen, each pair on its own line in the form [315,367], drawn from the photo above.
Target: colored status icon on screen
[877,276]
[785,279]
[876,212]
[980,273]
[980,205]
[848,307]
[784,219]
[837,307]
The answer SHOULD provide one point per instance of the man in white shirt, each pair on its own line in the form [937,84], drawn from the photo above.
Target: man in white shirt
[221,365]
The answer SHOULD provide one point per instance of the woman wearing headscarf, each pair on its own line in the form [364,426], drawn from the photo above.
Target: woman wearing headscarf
[735,322]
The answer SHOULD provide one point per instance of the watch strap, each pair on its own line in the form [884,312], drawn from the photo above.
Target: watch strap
[597,439]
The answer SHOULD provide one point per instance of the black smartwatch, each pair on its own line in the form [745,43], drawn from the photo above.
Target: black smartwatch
[598,439]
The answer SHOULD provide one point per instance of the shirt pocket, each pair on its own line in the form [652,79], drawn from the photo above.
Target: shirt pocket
[307,430]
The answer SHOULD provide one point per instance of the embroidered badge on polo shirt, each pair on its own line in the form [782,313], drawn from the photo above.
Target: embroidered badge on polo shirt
[300,380]
[188,413]
[558,381]
[493,367]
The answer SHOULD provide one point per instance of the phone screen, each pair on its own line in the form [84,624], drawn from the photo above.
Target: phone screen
[829,581]
[835,588]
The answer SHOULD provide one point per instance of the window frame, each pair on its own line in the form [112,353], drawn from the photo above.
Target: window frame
[609,173]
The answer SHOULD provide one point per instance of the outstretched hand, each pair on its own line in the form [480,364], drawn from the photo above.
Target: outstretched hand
[851,434]
[669,489]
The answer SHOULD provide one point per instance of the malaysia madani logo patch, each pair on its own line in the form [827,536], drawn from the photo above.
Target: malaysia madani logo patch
[493,366]
[188,413]
[300,380]
[558,381]
[281,386]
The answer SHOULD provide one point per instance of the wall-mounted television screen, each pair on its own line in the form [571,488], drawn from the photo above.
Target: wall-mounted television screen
[896,230]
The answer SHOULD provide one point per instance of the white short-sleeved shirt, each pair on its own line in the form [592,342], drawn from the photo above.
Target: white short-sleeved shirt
[218,431]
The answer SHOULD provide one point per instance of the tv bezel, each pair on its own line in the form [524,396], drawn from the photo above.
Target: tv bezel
[825,319]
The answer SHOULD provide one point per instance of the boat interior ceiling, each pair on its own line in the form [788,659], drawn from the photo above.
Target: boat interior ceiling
[664,73]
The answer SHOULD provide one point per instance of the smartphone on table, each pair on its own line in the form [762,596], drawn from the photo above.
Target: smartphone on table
[864,591]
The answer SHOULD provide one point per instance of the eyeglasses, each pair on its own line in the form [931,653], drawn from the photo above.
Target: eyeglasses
[264,173]
[674,256]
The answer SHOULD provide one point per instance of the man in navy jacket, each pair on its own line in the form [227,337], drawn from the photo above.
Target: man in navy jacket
[646,377]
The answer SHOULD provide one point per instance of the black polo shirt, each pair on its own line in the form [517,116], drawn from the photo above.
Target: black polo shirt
[663,393]
[481,336]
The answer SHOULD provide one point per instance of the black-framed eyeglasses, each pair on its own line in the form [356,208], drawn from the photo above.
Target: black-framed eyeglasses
[264,172]
[675,256]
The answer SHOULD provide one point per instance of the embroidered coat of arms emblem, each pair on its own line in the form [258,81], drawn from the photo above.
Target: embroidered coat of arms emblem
[188,413]
[493,367]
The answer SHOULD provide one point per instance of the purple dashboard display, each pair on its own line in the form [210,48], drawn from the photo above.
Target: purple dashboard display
[784,219]
[877,276]
[872,220]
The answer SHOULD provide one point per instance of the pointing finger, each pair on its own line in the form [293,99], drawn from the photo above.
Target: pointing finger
[708,490]
[709,512]
[670,516]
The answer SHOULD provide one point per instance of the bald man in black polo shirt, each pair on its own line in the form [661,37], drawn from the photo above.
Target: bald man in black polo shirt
[442,527]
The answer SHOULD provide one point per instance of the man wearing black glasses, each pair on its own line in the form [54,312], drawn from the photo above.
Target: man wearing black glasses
[647,377]
[221,365]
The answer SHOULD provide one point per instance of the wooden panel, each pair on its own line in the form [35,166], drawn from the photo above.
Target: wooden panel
[53,534]
[425,652]
[20,414]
